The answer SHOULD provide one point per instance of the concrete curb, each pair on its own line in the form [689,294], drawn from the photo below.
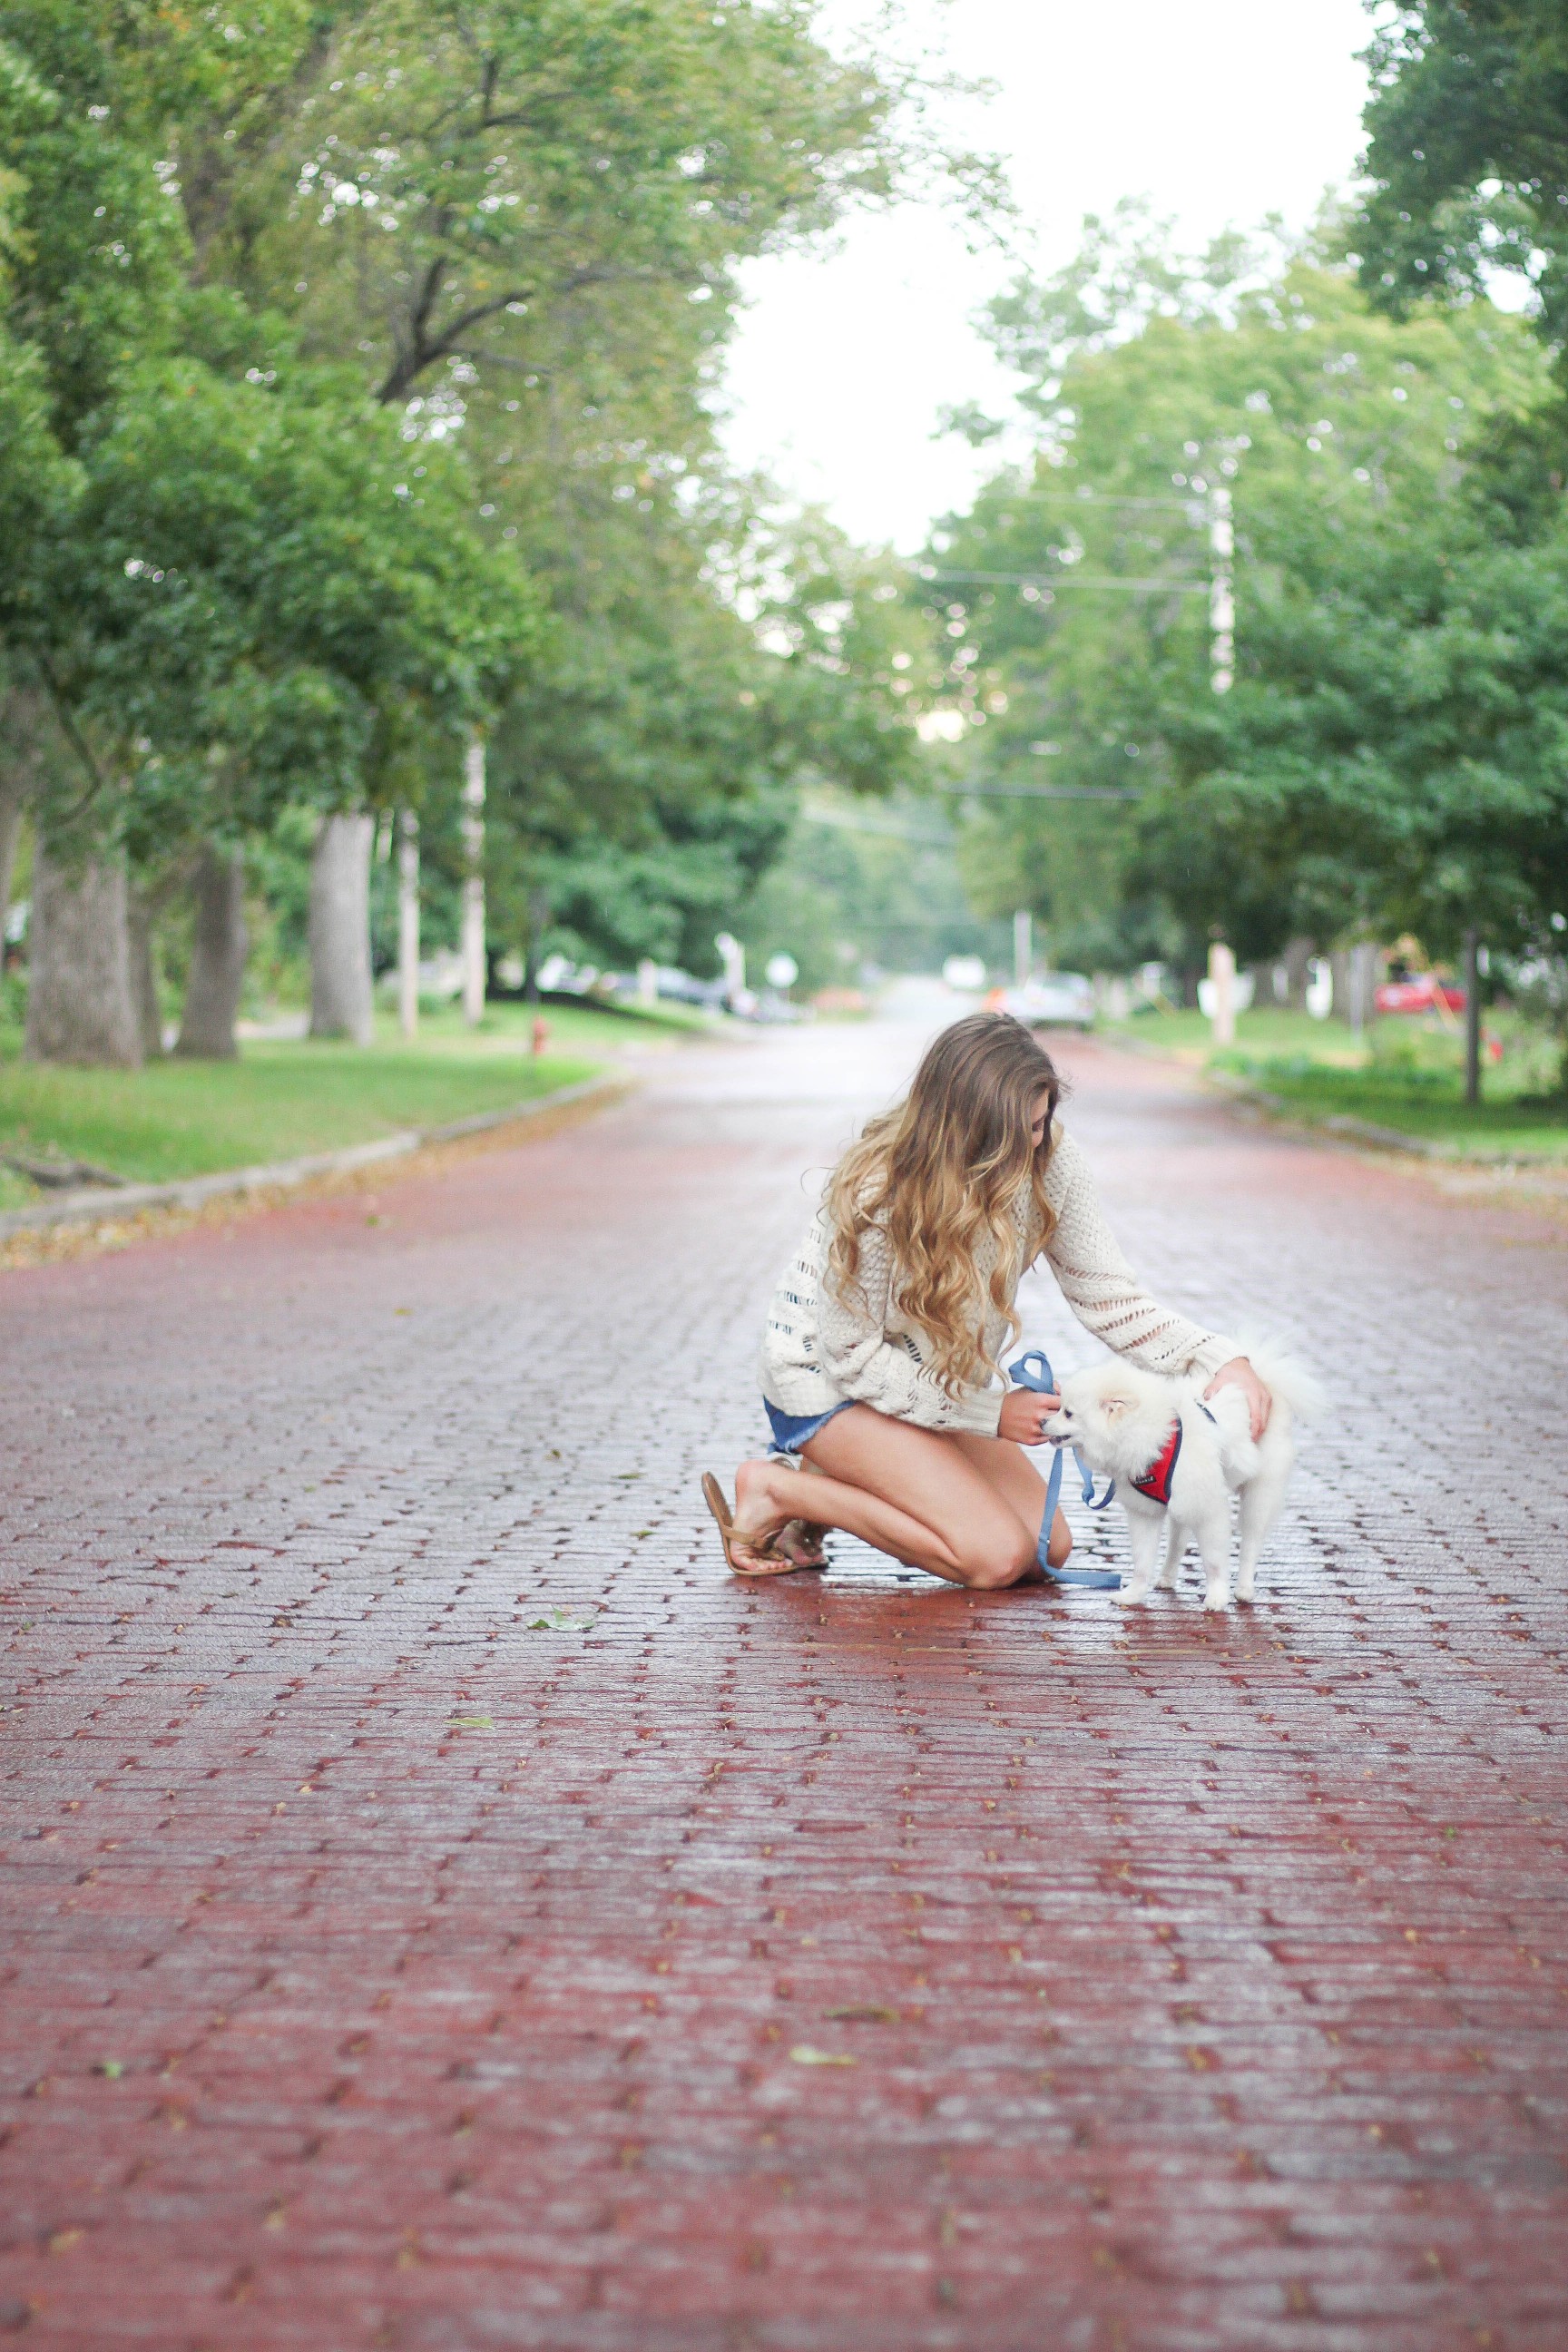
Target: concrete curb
[105,1203]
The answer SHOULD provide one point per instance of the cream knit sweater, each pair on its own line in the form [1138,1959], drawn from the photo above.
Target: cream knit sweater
[819,1351]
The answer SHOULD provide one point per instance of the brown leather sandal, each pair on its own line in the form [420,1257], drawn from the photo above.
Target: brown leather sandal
[723,1519]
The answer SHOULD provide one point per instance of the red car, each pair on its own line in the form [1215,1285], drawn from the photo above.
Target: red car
[1424,994]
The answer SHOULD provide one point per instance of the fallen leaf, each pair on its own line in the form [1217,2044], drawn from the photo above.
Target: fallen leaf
[111,2067]
[804,2055]
[560,1620]
[471,1723]
[864,2013]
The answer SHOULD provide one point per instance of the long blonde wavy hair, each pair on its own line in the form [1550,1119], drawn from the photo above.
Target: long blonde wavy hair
[942,1171]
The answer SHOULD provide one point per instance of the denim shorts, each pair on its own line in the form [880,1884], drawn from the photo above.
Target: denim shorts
[793,1429]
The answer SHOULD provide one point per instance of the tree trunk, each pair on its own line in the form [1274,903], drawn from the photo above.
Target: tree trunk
[24,728]
[12,800]
[1298,955]
[476,970]
[143,977]
[81,1006]
[408,924]
[217,958]
[537,916]
[339,929]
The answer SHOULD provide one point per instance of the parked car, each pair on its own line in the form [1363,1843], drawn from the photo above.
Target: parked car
[1422,993]
[1060,999]
[679,987]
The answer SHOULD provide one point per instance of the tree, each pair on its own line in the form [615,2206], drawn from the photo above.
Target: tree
[1469,160]
[522,227]
[457,193]
[1468,155]
[259,601]
[643,784]
[515,234]
[38,487]
[1386,756]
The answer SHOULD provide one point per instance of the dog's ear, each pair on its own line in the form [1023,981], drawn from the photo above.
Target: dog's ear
[1114,1405]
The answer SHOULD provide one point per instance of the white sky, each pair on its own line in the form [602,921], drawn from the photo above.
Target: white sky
[1221,110]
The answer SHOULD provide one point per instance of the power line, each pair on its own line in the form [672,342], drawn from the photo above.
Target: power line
[1054,580]
[1043,791]
[884,824]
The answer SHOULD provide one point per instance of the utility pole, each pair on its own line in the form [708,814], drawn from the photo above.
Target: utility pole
[1023,947]
[474,880]
[409,923]
[1222,675]
[1222,597]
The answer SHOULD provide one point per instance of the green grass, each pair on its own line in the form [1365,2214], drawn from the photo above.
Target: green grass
[190,1118]
[1429,1107]
[1189,1037]
[1408,1076]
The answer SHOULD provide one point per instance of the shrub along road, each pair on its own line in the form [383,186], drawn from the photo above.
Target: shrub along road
[444,1912]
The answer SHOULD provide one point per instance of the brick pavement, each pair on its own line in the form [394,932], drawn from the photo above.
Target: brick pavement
[849,1965]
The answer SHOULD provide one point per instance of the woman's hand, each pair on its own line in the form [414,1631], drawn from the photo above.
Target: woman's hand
[1023,1411]
[1238,1373]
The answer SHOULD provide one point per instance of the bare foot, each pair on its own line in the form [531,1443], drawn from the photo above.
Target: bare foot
[765,1537]
[801,1540]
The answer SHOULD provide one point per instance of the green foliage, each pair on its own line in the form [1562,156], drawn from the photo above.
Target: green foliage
[40,487]
[648,778]
[267,589]
[1391,755]
[455,183]
[260,271]
[843,896]
[94,244]
[1468,154]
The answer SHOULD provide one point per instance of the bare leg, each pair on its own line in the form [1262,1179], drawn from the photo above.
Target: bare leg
[1017,1480]
[917,1494]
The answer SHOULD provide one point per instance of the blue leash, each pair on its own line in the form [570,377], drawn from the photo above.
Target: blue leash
[1033,1371]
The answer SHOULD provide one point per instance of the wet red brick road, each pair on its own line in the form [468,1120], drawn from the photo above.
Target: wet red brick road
[845,1966]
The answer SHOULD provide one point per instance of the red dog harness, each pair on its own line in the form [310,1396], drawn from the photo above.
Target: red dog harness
[1156,1480]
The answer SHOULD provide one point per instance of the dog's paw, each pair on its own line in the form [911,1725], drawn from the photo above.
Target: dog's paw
[1244,1589]
[1216,1597]
[1131,1594]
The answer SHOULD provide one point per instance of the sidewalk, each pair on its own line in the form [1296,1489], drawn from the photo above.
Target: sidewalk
[848,1965]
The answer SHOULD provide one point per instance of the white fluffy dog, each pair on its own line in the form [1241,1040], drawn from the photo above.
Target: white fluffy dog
[1177,1461]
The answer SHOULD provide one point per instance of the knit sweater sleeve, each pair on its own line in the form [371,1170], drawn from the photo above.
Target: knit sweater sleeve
[1102,1290]
[866,1361]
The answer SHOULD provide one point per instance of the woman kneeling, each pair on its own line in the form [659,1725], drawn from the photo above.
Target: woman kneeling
[880,1366]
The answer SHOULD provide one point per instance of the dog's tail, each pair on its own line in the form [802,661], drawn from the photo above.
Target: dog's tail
[1285,1376]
